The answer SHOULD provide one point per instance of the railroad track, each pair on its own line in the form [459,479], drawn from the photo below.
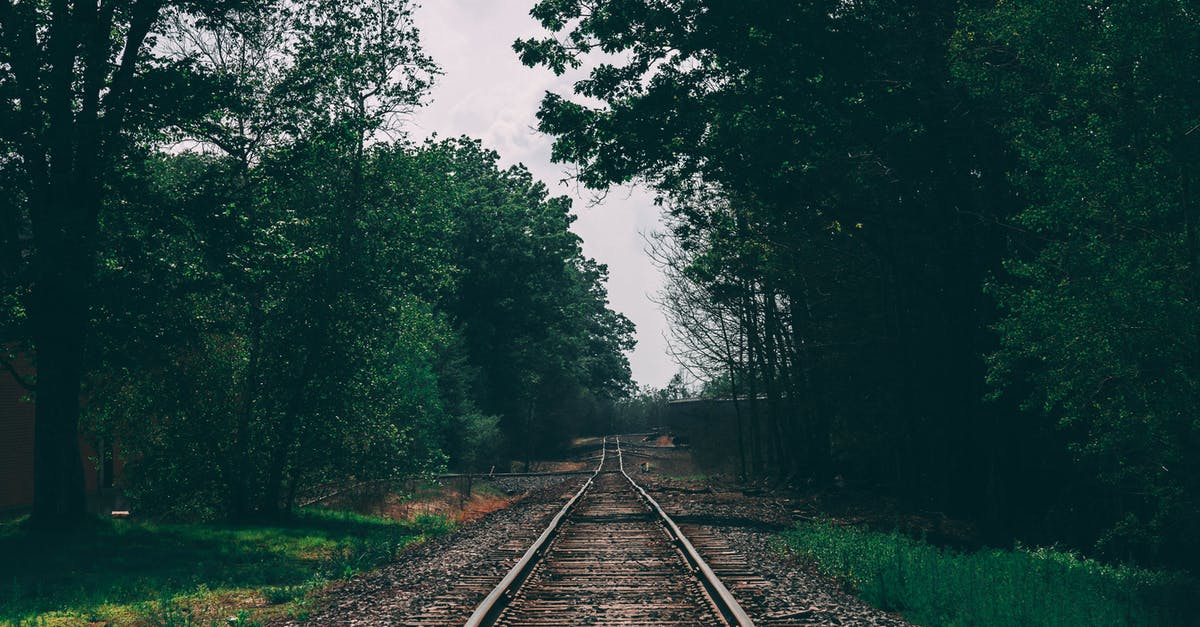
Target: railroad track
[610,556]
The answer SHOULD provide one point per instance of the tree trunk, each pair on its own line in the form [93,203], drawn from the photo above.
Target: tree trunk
[64,153]
[737,414]
[58,497]
[242,503]
[1190,227]
[770,350]
[289,430]
[756,456]
[818,422]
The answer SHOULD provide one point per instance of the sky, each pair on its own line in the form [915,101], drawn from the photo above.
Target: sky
[486,93]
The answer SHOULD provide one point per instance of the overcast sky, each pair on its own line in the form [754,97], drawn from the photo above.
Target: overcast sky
[486,93]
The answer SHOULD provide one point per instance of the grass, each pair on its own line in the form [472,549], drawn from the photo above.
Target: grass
[930,585]
[685,477]
[129,572]
[487,489]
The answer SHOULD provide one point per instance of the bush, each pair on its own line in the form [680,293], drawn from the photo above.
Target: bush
[433,524]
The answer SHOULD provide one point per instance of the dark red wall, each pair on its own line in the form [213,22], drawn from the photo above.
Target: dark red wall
[16,448]
[16,444]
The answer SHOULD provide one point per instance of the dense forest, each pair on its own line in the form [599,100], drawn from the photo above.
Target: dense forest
[216,234]
[947,249]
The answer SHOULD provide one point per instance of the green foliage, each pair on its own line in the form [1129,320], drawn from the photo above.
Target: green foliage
[544,348]
[433,525]
[173,574]
[815,181]
[299,305]
[937,586]
[290,355]
[643,410]
[242,375]
[947,247]
[1099,325]
[475,441]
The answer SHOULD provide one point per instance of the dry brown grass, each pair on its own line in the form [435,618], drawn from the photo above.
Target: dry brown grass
[450,502]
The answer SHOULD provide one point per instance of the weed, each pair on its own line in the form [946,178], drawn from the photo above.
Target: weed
[243,619]
[278,595]
[168,613]
[433,525]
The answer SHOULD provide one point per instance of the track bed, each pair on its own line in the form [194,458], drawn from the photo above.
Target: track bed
[611,557]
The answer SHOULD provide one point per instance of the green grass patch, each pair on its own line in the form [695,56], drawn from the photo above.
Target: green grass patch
[132,572]
[692,477]
[487,489]
[931,585]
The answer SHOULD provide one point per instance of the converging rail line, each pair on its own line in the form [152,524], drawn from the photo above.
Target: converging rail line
[610,556]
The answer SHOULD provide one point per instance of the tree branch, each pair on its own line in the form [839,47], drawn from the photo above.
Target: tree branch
[145,13]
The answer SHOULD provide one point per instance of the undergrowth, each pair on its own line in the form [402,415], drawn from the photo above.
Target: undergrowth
[931,585]
[124,572]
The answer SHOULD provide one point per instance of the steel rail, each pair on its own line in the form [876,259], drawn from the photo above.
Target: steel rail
[498,598]
[495,602]
[730,609]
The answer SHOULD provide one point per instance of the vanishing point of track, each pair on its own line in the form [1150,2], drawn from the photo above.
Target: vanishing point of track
[610,556]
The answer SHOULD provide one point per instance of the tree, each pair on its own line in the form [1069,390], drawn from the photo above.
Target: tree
[1099,326]
[442,293]
[821,142]
[79,78]
[907,267]
[531,309]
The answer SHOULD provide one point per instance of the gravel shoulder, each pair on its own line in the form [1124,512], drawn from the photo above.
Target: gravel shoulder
[440,582]
[779,587]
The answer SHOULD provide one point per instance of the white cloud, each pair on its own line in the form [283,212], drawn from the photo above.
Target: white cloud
[486,93]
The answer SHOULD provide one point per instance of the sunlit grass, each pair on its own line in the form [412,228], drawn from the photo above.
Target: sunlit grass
[127,572]
[930,585]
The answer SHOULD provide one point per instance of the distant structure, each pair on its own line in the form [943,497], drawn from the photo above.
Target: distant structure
[706,411]
[709,426]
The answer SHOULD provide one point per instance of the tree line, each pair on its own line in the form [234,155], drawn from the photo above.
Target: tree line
[221,250]
[945,248]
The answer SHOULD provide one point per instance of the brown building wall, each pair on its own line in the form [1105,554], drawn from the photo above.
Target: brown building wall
[16,444]
[16,451]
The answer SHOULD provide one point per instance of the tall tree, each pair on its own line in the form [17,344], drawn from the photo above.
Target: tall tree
[533,311]
[1100,330]
[78,77]
[813,125]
